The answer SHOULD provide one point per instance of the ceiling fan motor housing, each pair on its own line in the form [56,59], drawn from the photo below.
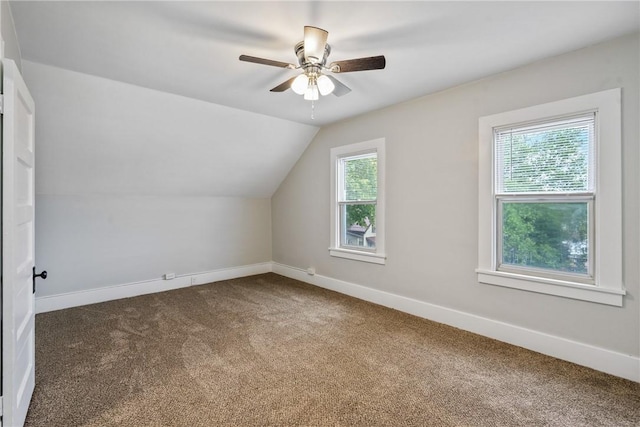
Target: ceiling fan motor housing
[299,50]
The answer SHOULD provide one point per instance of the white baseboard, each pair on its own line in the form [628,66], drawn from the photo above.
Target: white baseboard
[127,290]
[611,362]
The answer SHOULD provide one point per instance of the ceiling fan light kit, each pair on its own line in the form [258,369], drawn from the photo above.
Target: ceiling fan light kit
[312,54]
[311,94]
[325,85]
[300,84]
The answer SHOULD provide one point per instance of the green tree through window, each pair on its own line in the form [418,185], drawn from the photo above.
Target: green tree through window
[546,235]
[361,183]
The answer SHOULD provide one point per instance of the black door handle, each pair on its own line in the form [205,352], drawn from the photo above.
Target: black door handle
[43,275]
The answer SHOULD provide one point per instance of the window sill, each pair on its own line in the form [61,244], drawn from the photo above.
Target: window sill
[552,287]
[371,257]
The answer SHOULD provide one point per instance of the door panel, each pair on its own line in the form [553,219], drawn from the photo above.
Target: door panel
[18,304]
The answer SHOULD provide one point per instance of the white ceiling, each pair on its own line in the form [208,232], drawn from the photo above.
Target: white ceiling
[192,48]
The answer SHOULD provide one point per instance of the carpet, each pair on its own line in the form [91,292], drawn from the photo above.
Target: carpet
[266,350]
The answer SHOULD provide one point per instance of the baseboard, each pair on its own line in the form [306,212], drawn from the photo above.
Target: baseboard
[611,362]
[127,290]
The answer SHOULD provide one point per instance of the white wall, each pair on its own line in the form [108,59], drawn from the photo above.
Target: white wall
[132,183]
[432,198]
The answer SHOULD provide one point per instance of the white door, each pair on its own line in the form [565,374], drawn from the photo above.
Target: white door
[18,314]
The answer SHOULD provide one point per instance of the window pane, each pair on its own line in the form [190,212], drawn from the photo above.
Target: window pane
[546,235]
[357,225]
[360,177]
[549,157]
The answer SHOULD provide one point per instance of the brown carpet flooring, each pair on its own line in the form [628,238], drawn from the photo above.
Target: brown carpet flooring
[267,350]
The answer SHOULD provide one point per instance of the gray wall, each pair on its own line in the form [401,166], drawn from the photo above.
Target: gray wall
[123,192]
[87,242]
[432,197]
[11,50]
[8,31]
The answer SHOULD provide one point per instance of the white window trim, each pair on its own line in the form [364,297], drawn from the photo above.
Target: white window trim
[608,287]
[378,256]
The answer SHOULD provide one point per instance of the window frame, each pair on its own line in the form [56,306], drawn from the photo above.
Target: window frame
[375,255]
[606,285]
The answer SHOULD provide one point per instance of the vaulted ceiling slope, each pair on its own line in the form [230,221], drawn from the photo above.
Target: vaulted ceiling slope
[192,48]
[98,136]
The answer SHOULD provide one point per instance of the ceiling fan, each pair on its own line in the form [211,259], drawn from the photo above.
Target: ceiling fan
[312,55]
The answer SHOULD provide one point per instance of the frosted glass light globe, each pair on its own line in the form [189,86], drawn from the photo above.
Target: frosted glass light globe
[325,85]
[311,94]
[300,84]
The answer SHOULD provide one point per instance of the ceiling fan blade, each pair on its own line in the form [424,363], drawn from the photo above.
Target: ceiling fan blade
[284,86]
[340,88]
[315,40]
[263,61]
[360,64]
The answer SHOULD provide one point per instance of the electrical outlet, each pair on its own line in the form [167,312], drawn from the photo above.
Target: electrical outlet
[169,276]
[193,280]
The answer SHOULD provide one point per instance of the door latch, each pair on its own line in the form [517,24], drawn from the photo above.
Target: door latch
[43,275]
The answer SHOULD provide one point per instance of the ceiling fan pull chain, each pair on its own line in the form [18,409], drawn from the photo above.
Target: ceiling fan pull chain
[313,108]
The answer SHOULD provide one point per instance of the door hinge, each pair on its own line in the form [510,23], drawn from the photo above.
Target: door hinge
[1,399]
[1,104]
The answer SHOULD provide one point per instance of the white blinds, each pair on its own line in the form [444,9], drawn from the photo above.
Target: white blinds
[553,156]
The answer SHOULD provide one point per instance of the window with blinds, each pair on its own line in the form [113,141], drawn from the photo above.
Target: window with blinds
[544,195]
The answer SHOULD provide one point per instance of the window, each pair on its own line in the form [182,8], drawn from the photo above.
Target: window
[550,199]
[544,194]
[357,201]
